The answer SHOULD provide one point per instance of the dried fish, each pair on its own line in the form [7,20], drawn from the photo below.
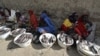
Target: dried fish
[19,31]
[20,39]
[63,38]
[24,38]
[44,39]
[2,31]
[66,39]
[51,40]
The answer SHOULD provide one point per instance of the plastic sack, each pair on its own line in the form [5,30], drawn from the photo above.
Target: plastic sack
[91,36]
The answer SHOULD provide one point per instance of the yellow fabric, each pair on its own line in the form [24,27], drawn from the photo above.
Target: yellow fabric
[67,23]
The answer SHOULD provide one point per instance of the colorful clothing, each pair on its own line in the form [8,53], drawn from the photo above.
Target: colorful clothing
[66,25]
[50,26]
[80,28]
[33,19]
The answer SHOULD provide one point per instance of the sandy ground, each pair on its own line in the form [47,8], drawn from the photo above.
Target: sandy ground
[8,48]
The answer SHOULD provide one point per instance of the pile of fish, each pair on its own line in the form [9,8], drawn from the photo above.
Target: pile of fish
[47,40]
[64,40]
[18,31]
[2,31]
[44,39]
[88,48]
[23,38]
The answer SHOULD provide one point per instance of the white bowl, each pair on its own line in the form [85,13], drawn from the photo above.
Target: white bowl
[25,44]
[48,35]
[83,48]
[16,31]
[64,44]
[5,35]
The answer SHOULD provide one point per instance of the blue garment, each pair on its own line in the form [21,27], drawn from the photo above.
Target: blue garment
[50,28]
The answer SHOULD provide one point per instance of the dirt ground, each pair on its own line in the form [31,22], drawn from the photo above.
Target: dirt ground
[59,9]
[8,48]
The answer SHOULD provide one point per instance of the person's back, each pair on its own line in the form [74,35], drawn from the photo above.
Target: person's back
[49,26]
[80,28]
[33,19]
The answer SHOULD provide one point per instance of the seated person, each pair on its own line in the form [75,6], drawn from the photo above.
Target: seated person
[45,26]
[69,23]
[33,20]
[46,23]
[80,27]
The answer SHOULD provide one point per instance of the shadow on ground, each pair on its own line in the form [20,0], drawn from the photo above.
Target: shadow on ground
[9,38]
[11,46]
[37,46]
[72,51]
[56,47]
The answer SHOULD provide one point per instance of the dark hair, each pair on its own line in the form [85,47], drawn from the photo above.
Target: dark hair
[45,11]
[73,17]
[30,12]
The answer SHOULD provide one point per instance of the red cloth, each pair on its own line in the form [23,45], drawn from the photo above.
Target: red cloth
[80,28]
[64,28]
[33,19]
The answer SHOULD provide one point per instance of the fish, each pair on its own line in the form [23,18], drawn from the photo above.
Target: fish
[63,38]
[51,40]
[24,38]
[44,39]
[66,39]
[2,31]
[93,49]
[19,31]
